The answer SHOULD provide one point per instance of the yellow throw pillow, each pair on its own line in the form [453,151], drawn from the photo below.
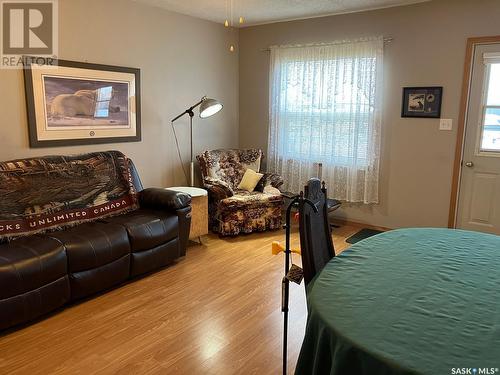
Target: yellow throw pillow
[250,180]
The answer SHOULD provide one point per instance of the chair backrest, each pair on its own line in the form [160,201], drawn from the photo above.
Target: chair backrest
[229,165]
[315,234]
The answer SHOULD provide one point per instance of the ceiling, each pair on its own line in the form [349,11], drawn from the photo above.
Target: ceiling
[267,11]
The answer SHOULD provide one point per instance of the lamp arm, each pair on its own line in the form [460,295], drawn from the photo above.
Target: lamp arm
[189,111]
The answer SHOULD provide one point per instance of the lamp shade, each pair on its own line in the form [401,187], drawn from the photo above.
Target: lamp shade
[209,107]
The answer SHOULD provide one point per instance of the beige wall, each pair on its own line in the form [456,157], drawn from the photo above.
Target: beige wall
[428,49]
[181,58]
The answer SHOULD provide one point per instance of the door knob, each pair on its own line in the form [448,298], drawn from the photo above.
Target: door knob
[469,164]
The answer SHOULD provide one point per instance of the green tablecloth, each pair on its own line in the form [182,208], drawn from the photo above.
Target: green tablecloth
[410,301]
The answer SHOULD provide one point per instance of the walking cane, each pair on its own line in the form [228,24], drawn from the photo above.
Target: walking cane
[285,284]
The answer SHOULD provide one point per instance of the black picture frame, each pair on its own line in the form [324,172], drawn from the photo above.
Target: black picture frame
[31,105]
[422,102]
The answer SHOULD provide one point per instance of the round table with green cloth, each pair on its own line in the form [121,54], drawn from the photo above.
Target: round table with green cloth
[408,301]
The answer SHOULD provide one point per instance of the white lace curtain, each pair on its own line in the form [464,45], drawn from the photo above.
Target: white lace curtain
[325,105]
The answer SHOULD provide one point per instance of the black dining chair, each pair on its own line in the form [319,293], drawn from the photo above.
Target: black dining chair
[315,232]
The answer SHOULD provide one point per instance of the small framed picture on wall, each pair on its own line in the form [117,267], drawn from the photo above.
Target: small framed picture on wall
[422,102]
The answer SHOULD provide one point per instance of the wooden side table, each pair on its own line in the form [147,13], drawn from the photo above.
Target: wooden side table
[199,213]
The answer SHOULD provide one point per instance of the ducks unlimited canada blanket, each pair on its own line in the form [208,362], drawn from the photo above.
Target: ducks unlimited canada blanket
[54,192]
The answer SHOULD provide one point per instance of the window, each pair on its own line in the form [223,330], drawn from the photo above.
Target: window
[325,108]
[103,98]
[331,114]
[490,139]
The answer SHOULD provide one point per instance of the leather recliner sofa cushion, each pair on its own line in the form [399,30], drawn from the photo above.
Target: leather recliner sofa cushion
[98,256]
[93,244]
[86,283]
[33,279]
[28,263]
[147,229]
[152,259]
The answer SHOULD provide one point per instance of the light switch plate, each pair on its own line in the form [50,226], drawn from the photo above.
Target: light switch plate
[446,124]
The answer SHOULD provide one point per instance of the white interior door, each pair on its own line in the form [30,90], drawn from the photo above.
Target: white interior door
[479,194]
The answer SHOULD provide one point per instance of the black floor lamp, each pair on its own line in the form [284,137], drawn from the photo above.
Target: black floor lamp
[208,107]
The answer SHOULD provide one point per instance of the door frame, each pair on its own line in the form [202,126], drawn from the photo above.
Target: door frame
[472,43]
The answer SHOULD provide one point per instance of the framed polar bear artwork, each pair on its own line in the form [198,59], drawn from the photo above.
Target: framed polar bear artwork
[74,103]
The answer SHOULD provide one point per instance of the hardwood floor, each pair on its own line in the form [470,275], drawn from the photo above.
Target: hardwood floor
[217,311]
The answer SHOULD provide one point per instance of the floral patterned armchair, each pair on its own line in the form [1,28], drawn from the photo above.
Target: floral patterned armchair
[233,211]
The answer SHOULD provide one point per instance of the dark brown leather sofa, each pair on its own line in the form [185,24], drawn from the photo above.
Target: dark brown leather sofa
[41,273]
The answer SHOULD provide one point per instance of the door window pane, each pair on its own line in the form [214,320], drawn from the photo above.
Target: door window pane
[490,137]
[491,130]
[494,85]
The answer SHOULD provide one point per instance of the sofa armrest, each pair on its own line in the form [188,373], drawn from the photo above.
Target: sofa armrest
[269,179]
[218,189]
[157,198]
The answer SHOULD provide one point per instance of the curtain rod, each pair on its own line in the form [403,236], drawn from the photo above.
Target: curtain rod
[268,49]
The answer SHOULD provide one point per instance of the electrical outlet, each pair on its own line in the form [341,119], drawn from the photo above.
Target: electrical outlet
[446,124]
